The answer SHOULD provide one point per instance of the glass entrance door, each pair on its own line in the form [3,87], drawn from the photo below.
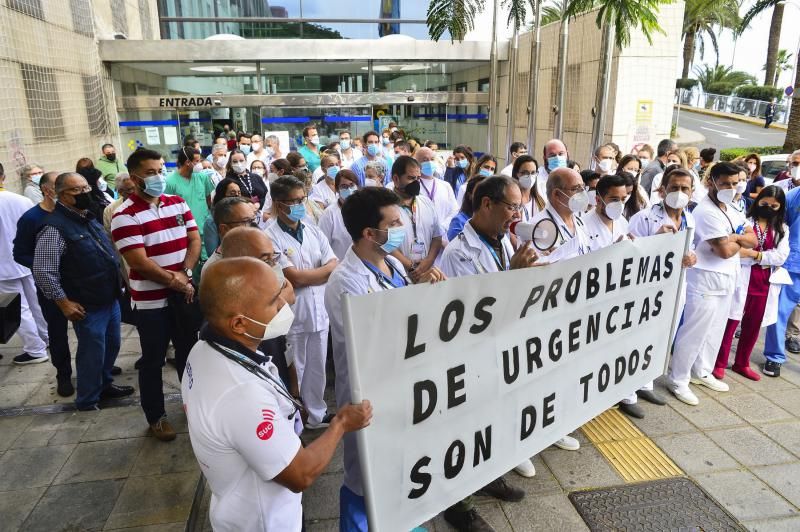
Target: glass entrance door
[287,123]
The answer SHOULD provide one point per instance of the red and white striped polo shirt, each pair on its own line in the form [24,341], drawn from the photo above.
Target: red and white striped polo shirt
[161,230]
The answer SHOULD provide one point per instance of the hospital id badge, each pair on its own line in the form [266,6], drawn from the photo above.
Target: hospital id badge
[417,251]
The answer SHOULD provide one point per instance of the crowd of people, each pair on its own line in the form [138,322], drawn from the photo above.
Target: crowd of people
[241,259]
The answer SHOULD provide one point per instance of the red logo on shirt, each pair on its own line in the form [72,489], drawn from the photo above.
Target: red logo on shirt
[265,428]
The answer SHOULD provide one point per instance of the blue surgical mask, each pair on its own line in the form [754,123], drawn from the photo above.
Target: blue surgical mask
[345,193]
[332,171]
[155,185]
[385,140]
[297,212]
[463,163]
[344,144]
[245,148]
[373,149]
[397,235]
[556,161]
[485,172]
[428,168]
[36,178]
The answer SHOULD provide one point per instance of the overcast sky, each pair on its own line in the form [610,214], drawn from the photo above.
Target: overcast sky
[751,48]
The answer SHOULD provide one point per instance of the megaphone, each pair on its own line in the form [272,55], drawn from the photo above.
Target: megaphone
[543,234]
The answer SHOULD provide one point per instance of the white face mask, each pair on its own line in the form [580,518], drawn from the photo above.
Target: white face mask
[592,197]
[315,140]
[278,326]
[239,168]
[606,166]
[795,172]
[102,185]
[677,200]
[259,172]
[644,161]
[526,181]
[222,161]
[272,176]
[256,146]
[741,186]
[578,202]
[197,168]
[726,196]
[614,209]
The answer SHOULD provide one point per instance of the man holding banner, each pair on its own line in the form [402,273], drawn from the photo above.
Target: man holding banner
[373,219]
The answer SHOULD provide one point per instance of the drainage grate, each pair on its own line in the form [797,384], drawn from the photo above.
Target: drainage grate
[669,504]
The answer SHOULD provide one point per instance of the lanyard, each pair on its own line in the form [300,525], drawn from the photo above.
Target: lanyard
[501,265]
[413,212]
[383,280]
[259,372]
[761,234]
[684,224]
[248,184]
[432,192]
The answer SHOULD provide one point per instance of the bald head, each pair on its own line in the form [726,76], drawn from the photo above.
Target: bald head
[226,290]
[424,154]
[562,179]
[247,242]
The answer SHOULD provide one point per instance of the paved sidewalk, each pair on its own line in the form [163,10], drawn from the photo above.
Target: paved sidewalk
[101,471]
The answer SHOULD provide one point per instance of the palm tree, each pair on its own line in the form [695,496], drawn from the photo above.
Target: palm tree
[708,75]
[759,7]
[782,63]
[792,141]
[705,18]
[553,12]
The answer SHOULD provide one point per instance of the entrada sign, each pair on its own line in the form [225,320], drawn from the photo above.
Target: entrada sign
[193,101]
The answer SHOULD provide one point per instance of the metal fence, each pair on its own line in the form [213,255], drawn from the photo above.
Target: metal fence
[732,104]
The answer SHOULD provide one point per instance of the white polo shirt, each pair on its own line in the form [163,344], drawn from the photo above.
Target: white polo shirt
[322,193]
[422,224]
[332,226]
[243,437]
[441,194]
[314,252]
[600,236]
[468,254]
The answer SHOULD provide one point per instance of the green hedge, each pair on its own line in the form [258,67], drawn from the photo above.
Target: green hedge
[730,154]
[756,92]
[724,88]
[685,83]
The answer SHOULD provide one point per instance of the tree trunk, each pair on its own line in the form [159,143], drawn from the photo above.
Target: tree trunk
[792,141]
[774,44]
[688,51]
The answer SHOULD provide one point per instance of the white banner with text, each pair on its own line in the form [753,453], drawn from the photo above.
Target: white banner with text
[473,375]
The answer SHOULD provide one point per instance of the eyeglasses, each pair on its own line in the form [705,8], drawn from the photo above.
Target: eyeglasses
[574,190]
[511,206]
[272,259]
[289,203]
[78,190]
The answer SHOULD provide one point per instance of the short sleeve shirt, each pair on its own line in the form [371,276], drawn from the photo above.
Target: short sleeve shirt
[712,222]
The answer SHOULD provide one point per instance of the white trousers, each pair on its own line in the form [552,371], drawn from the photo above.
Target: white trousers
[32,327]
[708,304]
[309,352]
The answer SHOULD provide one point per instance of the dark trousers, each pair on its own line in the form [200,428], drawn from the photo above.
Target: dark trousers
[57,323]
[156,328]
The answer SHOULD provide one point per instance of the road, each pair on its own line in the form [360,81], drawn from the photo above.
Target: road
[724,133]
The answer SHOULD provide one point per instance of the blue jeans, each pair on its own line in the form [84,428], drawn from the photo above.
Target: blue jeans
[352,512]
[774,344]
[98,346]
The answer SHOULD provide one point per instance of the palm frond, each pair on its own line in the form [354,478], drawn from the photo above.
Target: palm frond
[454,16]
[759,7]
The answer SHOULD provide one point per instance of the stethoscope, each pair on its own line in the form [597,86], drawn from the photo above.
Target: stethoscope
[578,222]
[476,264]
[259,372]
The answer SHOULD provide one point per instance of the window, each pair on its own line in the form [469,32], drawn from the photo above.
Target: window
[32,8]
[95,110]
[81,13]
[44,106]
[119,18]
[145,20]
[460,110]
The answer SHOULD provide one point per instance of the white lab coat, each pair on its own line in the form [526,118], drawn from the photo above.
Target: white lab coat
[774,258]
[443,198]
[322,193]
[332,226]
[427,223]
[351,277]
[577,248]
[599,234]
[468,255]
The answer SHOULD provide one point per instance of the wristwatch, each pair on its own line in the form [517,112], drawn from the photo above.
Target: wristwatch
[188,272]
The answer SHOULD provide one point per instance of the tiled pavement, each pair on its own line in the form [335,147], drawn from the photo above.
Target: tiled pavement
[100,470]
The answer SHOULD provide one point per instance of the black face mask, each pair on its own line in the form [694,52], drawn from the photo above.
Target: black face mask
[412,189]
[111,157]
[82,201]
[765,212]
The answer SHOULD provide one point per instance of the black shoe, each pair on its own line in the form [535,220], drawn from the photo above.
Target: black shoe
[500,489]
[25,358]
[633,410]
[171,362]
[793,345]
[469,521]
[64,387]
[651,397]
[88,408]
[112,391]
[772,369]
[116,370]
[326,421]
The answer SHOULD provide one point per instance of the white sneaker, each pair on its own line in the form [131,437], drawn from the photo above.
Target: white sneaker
[568,443]
[686,396]
[709,381]
[525,469]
